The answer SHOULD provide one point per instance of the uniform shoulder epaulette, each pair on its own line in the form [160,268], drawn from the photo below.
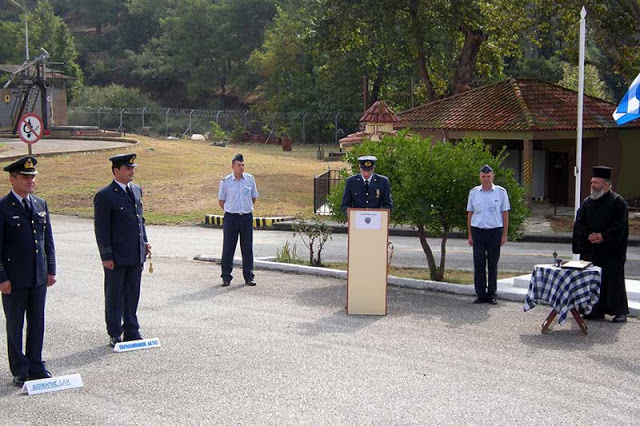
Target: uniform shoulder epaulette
[248,175]
[224,178]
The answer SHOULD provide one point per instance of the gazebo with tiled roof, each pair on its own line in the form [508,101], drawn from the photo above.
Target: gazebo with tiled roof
[536,121]
[378,121]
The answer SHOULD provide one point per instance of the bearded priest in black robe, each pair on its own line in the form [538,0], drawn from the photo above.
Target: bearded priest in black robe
[600,236]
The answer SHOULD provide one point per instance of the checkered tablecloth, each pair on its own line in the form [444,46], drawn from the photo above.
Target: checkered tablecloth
[564,289]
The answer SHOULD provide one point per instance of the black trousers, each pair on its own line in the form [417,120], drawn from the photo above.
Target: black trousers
[235,225]
[613,292]
[121,296]
[21,301]
[486,253]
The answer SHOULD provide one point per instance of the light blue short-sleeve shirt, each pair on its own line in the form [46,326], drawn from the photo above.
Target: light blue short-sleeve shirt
[487,206]
[238,194]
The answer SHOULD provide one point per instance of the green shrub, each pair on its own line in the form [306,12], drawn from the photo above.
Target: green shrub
[112,96]
[217,134]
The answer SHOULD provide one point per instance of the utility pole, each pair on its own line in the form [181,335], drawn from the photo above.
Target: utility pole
[578,170]
[26,29]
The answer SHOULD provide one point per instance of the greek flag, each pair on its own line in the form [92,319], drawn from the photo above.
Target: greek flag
[629,108]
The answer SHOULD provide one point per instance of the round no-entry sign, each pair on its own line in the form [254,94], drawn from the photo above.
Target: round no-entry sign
[30,128]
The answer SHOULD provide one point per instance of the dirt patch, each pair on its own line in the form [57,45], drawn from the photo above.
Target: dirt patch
[180,178]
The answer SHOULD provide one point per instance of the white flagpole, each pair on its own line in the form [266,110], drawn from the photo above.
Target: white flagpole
[578,169]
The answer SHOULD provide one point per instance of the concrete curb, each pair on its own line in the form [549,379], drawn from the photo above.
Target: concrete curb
[506,288]
[411,283]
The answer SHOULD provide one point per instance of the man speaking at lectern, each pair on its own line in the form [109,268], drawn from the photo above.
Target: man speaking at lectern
[367,190]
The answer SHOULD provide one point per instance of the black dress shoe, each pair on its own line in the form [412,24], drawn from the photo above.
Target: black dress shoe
[250,282]
[19,380]
[226,283]
[479,300]
[619,319]
[113,340]
[593,316]
[493,301]
[130,338]
[44,374]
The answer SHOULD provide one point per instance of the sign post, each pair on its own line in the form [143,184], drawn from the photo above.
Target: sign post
[30,129]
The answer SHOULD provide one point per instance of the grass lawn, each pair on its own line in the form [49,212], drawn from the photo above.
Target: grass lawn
[180,178]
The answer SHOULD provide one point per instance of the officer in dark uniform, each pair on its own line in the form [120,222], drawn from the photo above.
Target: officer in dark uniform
[122,241]
[367,189]
[27,268]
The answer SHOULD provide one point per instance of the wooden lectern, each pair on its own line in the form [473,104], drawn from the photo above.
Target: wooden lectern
[367,261]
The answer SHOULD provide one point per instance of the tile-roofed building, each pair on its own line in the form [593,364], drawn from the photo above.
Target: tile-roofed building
[536,122]
[513,105]
[378,121]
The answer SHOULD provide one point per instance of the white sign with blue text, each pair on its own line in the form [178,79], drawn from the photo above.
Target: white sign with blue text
[368,219]
[135,345]
[53,384]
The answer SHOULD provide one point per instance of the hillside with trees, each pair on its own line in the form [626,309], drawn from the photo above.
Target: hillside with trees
[291,56]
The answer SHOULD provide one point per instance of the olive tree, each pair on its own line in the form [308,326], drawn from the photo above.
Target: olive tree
[430,184]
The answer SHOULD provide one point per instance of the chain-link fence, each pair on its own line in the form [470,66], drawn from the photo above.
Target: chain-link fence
[304,127]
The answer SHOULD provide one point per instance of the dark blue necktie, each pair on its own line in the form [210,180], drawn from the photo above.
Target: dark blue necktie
[130,193]
[27,206]
[366,186]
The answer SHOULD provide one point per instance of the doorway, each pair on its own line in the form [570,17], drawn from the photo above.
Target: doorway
[558,182]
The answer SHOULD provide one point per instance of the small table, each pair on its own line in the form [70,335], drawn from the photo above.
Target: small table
[564,290]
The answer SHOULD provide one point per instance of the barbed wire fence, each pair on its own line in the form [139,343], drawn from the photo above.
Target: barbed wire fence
[303,126]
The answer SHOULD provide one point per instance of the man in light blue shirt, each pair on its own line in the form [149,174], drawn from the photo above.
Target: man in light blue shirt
[487,226]
[236,196]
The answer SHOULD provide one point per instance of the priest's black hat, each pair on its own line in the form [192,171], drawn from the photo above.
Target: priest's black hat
[602,172]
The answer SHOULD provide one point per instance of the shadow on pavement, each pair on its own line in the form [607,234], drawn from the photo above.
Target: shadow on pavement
[338,322]
[454,310]
[207,293]
[572,339]
[81,358]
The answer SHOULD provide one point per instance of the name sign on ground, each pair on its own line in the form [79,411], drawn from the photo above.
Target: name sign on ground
[134,345]
[53,384]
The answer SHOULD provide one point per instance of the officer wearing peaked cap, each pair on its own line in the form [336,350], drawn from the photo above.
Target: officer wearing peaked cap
[123,159]
[367,189]
[123,245]
[27,268]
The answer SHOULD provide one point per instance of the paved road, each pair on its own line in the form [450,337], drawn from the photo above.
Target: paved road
[15,147]
[284,352]
[516,256]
